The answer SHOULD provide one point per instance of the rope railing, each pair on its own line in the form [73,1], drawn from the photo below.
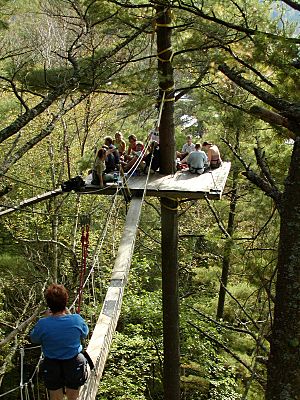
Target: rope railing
[23,386]
[89,390]
[101,339]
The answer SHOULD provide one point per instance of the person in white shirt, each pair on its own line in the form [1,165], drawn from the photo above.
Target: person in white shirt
[197,160]
[187,148]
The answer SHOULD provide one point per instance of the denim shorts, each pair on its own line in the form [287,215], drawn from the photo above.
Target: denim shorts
[71,373]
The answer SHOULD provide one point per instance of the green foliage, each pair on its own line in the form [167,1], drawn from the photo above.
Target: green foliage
[124,97]
[129,369]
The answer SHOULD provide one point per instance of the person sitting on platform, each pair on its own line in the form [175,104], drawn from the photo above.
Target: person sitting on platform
[136,157]
[119,143]
[213,155]
[155,163]
[197,160]
[99,168]
[154,135]
[59,332]
[187,148]
[98,172]
[132,146]
[112,155]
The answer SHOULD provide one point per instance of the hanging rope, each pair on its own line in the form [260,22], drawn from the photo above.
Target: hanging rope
[85,230]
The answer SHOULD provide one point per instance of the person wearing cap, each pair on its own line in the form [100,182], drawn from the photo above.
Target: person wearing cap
[213,155]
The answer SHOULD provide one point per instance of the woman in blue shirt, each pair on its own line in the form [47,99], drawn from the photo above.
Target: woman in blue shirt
[60,334]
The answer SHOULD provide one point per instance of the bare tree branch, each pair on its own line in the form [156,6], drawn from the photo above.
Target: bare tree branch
[21,326]
[261,183]
[259,379]
[218,220]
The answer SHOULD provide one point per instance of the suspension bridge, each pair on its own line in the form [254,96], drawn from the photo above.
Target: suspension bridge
[180,185]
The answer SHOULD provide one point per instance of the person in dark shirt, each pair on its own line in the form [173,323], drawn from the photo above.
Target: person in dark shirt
[112,155]
[153,157]
[60,333]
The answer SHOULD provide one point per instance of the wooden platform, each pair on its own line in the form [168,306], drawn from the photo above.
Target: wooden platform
[181,185]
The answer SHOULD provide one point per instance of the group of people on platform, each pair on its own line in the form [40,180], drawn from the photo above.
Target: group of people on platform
[114,154]
[197,160]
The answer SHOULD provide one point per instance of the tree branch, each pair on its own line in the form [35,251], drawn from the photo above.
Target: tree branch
[218,220]
[22,326]
[232,328]
[13,158]
[261,161]
[274,118]
[287,109]
[194,84]
[191,8]
[261,183]
[225,348]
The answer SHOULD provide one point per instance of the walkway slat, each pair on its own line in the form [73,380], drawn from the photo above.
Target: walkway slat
[101,339]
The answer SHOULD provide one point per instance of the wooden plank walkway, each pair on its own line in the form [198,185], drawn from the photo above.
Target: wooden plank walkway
[181,185]
[31,201]
[102,336]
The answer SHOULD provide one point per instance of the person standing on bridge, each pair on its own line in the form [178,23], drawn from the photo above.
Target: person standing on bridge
[60,333]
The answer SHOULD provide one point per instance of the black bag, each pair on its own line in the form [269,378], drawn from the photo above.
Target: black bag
[73,184]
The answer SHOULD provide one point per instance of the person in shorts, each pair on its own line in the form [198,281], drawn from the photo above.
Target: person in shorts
[213,155]
[197,160]
[60,333]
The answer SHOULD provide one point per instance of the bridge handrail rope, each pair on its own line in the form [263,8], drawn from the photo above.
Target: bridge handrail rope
[97,372]
[97,249]
[23,385]
[108,319]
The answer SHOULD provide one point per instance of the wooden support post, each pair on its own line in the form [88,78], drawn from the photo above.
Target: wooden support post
[169,223]
[170,299]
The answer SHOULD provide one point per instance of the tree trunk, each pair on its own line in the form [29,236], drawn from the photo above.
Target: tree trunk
[284,360]
[228,246]
[169,222]
[170,300]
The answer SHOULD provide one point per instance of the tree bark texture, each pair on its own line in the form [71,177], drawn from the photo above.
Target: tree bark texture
[170,299]
[169,217]
[228,246]
[166,86]
[284,359]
